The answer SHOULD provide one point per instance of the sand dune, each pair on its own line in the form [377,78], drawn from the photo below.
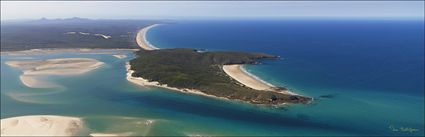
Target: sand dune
[41,125]
[62,66]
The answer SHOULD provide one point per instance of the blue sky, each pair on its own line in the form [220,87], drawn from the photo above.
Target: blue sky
[211,9]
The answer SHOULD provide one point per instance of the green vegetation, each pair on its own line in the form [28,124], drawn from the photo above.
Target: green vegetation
[188,68]
[51,33]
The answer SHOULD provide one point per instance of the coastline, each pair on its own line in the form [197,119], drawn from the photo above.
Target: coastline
[145,45]
[236,72]
[141,38]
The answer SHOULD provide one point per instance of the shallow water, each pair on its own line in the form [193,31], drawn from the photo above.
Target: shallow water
[374,106]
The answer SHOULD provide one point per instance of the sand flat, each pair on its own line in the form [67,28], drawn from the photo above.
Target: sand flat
[61,66]
[41,125]
[34,82]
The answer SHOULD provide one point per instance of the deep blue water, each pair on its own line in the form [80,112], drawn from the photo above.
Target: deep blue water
[385,56]
[374,69]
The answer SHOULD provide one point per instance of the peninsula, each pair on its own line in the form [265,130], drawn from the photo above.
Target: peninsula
[217,74]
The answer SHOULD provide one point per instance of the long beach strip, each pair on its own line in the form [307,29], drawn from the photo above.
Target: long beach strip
[235,71]
[141,38]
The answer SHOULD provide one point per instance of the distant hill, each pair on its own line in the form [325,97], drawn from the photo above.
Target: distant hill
[65,20]
[70,33]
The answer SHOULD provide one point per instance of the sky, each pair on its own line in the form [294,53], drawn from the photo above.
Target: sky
[210,9]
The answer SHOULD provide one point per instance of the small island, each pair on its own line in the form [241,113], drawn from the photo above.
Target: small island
[189,70]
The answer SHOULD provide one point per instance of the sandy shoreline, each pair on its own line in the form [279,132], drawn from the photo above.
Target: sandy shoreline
[33,69]
[141,38]
[41,125]
[238,73]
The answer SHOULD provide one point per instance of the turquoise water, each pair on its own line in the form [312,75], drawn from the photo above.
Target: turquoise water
[110,104]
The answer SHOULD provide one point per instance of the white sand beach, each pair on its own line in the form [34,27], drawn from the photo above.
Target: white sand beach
[61,66]
[141,38]
[238,73]
[41,125]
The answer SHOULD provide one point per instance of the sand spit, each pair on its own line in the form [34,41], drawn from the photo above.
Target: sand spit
[41,125]
[141,38]
[61,66]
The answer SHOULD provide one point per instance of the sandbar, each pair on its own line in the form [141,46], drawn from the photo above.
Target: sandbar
[32,69]
[41,125]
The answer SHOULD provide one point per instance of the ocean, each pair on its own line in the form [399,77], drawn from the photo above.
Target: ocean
[366,77]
